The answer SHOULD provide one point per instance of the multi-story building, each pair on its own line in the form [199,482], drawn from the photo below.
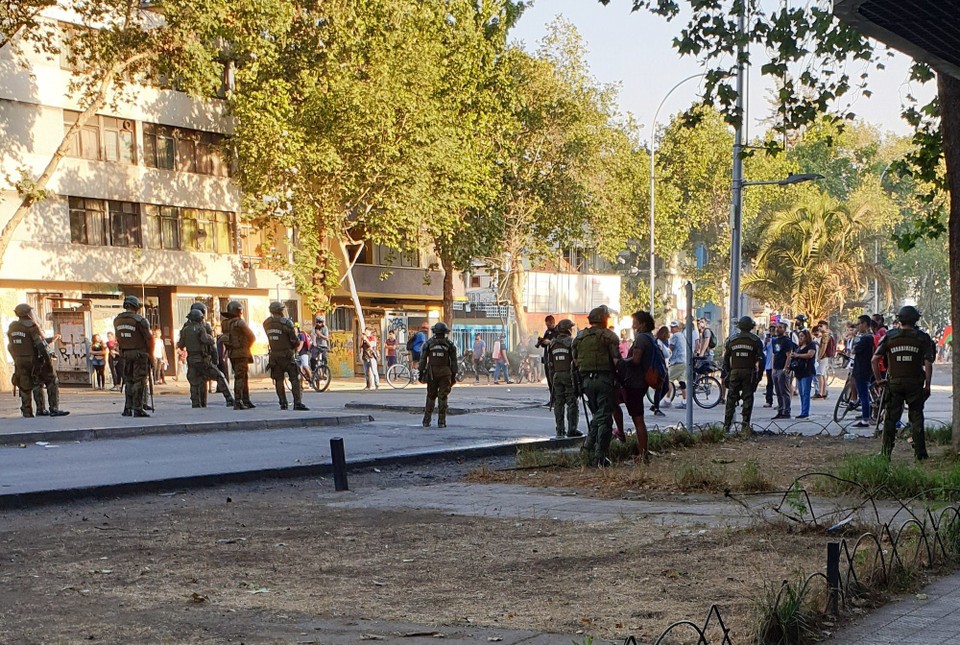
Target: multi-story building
[143,204]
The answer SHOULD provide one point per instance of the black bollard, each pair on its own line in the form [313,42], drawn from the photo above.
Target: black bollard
[339,464]
[833,576]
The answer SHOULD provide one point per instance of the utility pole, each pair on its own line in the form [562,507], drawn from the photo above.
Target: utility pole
[736,210]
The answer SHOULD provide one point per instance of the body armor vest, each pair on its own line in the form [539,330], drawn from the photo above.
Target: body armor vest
[745,350]
[22,335]
[280,334]
[906,351]
[132,331]
[561,354]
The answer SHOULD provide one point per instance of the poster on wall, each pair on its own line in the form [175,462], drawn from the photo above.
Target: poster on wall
[71,349]
[341,355]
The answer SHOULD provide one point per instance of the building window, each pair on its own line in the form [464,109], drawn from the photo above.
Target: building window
[207,231]
[124,224]
[159,148]
[87,221]
[474,282]
[103,138]
[183,150]
[163,227]
[340,319]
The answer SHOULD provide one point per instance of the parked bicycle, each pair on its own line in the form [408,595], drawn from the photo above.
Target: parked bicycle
[706,386]
[404,372]
[466,367]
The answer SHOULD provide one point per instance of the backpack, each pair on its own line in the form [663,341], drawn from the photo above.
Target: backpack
[712,343]
[410,341]
[652,369]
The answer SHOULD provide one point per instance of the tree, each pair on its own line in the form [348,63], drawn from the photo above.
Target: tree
[813,56]
[555,159]
[335,129]
[811,258]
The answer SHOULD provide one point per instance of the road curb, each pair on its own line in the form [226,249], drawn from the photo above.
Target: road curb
[125,432]
[26,500]
[452,411]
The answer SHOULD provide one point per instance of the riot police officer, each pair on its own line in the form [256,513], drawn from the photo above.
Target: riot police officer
[282,362]
[909,355]
[24,340]
[136,348]
[207,367]
[560,364]
[46,378]
[238,339]
[596,352]
[438,369]
[743,364]
[199,344]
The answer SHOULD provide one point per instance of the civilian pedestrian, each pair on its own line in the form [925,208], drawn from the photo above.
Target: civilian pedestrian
[803,365]
[368,355]
[159,358]
[501,362]
[677,365]
[863,350]
[768,366]
[116,370]
[782,347]
[478,356]
[390,348]
[663,346]
[99,355]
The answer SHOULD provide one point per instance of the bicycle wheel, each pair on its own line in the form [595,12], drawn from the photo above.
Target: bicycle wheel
[706,391]
[398,376]
[831,375]
[842,408]
[321,378]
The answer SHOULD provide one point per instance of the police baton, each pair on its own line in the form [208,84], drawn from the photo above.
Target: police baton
[150,375]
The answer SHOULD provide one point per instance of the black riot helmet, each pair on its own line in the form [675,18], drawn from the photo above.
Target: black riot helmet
[441,329]
[195,315]
[565,326]
[199,306]
[132,303]
[908,315]
[276,307]
[234,308]
[599,315]
[22,310]
[746,323]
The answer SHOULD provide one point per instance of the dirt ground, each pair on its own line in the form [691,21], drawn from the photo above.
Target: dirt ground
[255,563]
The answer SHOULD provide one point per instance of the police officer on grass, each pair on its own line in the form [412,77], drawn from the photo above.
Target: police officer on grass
[29,351]
[207,367]
[595,355]
[136,349]
[438,369]
[560,365]
[743,362]
[284,344]
[238,339]
[909,355]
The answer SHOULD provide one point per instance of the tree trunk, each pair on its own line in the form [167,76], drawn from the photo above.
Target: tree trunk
[949,90]
[448,272]
[516,299]
[352,285]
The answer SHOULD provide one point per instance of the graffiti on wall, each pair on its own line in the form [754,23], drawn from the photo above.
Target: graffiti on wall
[341,355]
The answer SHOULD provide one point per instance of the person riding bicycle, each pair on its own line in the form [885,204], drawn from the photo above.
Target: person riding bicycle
[321,341]
[438,369]
[303,351]
[743,360]
[416,347]
[909,354]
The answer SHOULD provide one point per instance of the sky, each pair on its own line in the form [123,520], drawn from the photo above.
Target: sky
[635,51]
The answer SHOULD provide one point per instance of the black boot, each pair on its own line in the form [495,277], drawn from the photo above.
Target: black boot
[58,413]
[300,406]
[140,413]
[127,413]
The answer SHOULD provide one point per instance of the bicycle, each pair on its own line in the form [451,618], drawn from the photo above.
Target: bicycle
[526,370]
[320,376]
[403,373]
[843,406]
[706,386]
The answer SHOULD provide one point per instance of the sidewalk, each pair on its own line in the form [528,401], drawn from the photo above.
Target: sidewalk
[931,617]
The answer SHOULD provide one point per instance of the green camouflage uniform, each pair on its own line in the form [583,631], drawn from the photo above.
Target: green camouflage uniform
[595,352]
[742,356]
[24,341]
[136,347]
[560,365]
[906,351]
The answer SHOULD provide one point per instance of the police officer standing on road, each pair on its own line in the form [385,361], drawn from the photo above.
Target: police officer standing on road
[199,344]
[438,369]
[24,341]
[596,352]
[46,377]
[544,341]
[743,363]
[207,367]
[284,344]
[909,355]
[136,349]
[238,339]
[560,364]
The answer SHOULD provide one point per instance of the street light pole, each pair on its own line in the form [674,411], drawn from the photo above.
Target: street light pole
[653,147]
[736,210]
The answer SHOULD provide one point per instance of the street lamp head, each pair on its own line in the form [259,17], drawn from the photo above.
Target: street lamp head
[799,179]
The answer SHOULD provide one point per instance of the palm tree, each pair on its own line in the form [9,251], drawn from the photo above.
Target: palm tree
[811,258]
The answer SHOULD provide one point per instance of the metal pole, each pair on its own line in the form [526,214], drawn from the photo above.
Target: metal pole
[688,332]
[653,148]
[339,460]
[876,290]
[736,215]
[833,577]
